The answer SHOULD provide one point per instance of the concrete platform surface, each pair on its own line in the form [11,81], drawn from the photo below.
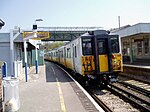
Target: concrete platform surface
[50,91]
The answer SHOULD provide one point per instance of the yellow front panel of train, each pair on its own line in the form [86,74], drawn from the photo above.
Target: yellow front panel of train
[103,63]
[87,65]
[117,62]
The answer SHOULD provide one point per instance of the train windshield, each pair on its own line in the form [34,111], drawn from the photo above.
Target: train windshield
[114,44]
[87,46]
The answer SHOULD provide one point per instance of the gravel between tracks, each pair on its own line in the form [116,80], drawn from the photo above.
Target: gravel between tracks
[114,102]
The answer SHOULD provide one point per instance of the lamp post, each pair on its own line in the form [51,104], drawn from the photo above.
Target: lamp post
[36,52]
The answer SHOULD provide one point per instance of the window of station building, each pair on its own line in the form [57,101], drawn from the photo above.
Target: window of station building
[139,47]
[146,46]
[125,47]
[87,46]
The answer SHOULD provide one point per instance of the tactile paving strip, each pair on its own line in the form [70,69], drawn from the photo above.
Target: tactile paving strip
[88,105]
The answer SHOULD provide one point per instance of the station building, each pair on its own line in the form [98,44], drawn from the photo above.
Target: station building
[14,56]
[135,43]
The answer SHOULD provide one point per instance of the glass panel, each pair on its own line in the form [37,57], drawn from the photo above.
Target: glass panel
[87,46]
[68,53]
[102,47]
[75,51]
[139,48]
[125,47]
[146,46]
[115,45]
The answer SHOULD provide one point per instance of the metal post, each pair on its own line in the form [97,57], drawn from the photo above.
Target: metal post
[119,21]
[12,37]
[11,53]
[25,60]
[36,52]
[35,35]
[36,59]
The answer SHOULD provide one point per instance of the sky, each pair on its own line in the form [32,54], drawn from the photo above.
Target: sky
[73,13]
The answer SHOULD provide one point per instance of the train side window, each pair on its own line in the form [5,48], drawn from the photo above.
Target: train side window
[87,46]
[68,53]
[115,44]
[75,48]
[62,54]
[57,54]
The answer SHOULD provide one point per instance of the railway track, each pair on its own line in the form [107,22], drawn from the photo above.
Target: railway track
[116,96]
[135,88]
[130,76]
[111,100]
[126,94]
[100,102]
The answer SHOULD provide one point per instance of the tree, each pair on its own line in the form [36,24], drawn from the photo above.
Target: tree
[50,46]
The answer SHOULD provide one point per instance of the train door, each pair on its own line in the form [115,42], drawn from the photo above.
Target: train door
[101,55]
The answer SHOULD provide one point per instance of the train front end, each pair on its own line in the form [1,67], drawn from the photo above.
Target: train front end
[101,58]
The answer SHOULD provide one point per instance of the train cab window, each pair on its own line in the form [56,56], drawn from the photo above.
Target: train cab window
[87,46]
[114,44]
[102,47]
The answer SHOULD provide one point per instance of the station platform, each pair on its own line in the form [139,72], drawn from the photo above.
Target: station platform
[52,90]
[137,71]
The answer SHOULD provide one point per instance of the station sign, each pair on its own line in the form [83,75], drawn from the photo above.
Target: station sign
[39,35]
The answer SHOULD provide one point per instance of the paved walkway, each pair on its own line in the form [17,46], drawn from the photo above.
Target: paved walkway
[34,94]
[50,91]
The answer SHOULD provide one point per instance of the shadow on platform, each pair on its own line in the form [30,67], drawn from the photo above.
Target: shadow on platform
[53,72]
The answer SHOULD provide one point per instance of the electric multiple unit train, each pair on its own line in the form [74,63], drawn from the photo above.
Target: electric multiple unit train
[94,55]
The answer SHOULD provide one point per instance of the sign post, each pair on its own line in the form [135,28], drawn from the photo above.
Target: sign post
[25,59]
[36,54]
[34,36]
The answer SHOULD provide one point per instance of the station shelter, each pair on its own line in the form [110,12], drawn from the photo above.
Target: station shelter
[135,43]
[15,58]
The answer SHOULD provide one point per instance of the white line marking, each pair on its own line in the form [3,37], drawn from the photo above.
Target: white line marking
[87,94]
[63,107]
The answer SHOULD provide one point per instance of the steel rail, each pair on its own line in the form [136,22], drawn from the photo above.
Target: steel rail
[136,88]
[124,75]
[130,97]
[102,104]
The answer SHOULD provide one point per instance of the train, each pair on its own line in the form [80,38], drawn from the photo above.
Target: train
[94,56]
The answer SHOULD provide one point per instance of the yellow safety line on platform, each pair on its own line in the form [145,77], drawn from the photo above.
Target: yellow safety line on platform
[63,107]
